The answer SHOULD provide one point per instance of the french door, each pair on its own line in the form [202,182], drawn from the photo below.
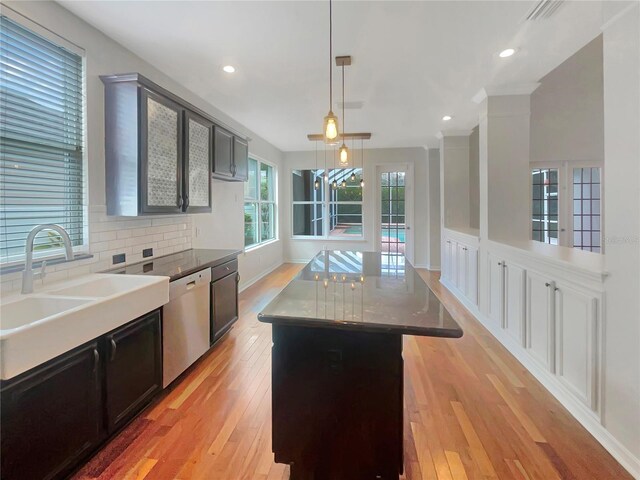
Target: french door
[395,212]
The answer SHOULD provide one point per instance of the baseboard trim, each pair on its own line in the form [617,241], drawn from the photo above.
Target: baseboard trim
[297,260]
[258,277]
[587,418]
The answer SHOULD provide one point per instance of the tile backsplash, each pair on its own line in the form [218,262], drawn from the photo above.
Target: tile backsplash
[109,236]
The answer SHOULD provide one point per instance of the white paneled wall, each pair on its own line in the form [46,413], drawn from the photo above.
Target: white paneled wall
[110,236]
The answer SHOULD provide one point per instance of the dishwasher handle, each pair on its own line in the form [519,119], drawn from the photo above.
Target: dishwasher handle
[184,285]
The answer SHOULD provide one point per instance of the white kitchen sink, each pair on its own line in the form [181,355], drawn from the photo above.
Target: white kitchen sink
[37,327]
[32,309]
[102,287]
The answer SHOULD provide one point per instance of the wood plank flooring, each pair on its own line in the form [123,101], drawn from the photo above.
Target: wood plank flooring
[471,412]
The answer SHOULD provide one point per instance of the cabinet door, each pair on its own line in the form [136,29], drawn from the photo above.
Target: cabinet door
[134,368]
[223,153]
[577,342]
[461,264]
[198,162]
[496,289]
[161,154]
[446,260]
[224,304]
[472,275]
[52,416]
[240,159]
[539,320]
[514,291]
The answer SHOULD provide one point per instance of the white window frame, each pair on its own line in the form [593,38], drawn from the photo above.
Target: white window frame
[565,198]
[260,202]
[84,248]
[326,212]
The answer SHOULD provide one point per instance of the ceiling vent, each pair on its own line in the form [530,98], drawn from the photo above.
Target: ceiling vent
[543,9]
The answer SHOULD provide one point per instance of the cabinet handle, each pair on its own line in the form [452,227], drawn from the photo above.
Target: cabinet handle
[547,284]
[114,346]
[96,359]
[556,289]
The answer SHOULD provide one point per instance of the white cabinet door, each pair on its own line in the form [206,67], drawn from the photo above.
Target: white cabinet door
[577,342]
[472,275]
[514,278]
[496,289]
[540,320]
[461,264]
[446,260]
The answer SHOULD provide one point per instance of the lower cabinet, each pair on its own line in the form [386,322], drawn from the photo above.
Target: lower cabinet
[495,278]
[52,416]
[514,278]
[540,320]
[224,298]
[577,342]
[460,268]
[133,373]
[55,415]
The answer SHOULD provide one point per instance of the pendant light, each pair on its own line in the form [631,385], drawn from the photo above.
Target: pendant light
[344,151]
[362,164]
[330,126]
[316,183]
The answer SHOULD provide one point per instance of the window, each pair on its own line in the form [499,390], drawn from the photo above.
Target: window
[334,209]
[545,205]
[260,204]
[586,209]
[566,206]
[41,141]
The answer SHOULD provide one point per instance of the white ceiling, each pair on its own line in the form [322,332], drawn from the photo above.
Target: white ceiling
[413,62]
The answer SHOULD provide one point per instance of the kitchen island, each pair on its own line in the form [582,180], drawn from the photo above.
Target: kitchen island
[337,371]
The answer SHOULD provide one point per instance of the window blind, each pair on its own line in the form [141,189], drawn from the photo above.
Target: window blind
[41,141]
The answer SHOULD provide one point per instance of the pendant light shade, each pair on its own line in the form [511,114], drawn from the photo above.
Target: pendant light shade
[330,128]
[344,154]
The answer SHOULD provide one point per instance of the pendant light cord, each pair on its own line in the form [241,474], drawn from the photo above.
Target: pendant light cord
[344,123]
[330,57]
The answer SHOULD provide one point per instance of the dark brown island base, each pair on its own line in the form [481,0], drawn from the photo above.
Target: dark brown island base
[337,372]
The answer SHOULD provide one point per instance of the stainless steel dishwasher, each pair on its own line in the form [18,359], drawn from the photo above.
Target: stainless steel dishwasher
[186,323]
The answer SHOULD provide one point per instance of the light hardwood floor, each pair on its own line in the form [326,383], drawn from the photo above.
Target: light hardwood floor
[471,411]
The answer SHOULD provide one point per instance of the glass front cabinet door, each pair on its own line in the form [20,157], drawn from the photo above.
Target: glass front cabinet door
[161,154]
[198,156]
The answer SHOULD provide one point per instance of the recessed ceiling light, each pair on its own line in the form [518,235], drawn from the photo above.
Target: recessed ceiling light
[446,118]
[507,53]
[229,68]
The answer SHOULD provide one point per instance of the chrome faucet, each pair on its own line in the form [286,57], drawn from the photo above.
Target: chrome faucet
[27,274]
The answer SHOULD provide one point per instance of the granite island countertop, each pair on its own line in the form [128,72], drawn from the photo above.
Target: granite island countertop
[179,264]
[364,291]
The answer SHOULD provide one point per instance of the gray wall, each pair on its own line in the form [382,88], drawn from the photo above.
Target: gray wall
[474,178]
[567,109]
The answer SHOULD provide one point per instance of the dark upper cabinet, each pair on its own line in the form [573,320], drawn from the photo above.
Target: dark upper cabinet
[133,373]
[198,161]
[224,298]
[223,157]
[155,149]
[161,155]
[240,159]
[52,416]
[231,156]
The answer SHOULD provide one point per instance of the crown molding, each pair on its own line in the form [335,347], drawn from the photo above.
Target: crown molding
[502,90]
[452,133]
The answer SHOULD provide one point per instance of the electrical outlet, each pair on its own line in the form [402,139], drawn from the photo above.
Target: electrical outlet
[147,252]
[119,258]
